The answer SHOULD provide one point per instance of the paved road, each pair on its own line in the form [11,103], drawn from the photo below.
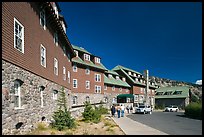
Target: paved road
[172,123]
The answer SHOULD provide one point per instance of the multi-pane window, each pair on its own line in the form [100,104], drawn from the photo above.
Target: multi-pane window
[97,77]
[113,88]
[55,66]
[68,76]
[74,100]
[41,89]
[105,87]
[42,19]
[87,71]
[74,68]
[64,50]
[97,60]
[55,92]
[64,73]
[68,56]
[87,84]
[74,83]
[18,36]
[76,53]
[17,94]
[43,55]
[86,57]
[56,38]
[97,89]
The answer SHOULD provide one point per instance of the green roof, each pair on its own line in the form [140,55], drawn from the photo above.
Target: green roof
[80,49]
[112,72]
[125,96]
[184,93]
[113,81]
[89,63]
[119,67]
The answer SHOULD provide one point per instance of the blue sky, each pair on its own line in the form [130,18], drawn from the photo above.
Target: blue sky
[163,37]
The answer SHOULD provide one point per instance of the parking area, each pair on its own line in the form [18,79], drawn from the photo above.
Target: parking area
[172,123]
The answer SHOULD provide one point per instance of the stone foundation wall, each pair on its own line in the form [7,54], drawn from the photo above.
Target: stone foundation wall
[31,111]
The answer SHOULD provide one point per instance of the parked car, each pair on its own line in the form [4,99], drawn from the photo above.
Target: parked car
[143,109]
[171,108]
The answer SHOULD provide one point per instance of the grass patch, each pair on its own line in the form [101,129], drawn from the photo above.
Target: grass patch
[41,126]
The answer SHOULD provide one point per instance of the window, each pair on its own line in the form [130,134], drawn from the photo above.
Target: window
[55,92]
[18,36]
[129,73]
[68,76]
[97,60]
[17,94]
[105,99]
[41,89]
[87,71]
[74,68]
[42,19]
[68,56]
[87,99]
[87,84]
[117,77]
[127,90]
[113,88]
[42,55]
[76,53]
[74,100]
[55,66]
[110,76]
[97,77]
[74,83]
[64,73]
[136,79]
[97,89]
[105,87]
[120,89]
[135,75]
[64,50]
[136,97]
[141,89]
[86,57]
[56,39]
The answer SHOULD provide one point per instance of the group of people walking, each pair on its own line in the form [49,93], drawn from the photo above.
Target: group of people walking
[120,109]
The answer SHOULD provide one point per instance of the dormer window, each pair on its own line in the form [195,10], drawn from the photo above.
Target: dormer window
[64,50]
[138,76]
[56,38]
[129,73]
[97,60]
[123,79]
[117,77]
[134,75]
[86,57]
[136,79]
[110,76]
[42,19]
[76,53]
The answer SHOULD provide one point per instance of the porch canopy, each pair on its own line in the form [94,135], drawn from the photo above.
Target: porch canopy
[122,98]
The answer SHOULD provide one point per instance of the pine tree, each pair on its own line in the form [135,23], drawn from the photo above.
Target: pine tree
[62,116]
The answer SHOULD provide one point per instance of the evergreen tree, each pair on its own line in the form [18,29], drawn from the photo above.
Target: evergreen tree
[62,116]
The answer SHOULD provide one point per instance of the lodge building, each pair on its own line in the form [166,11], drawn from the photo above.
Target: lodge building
[38,60]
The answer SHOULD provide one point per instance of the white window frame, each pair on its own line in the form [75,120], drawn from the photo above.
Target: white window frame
[17,93]
[55,66]
[87,99]
[120,89]
[76,53]
[64,50]
[97,89]
[113,88]
[86,57]
[41,97]
[54,94]
[110,76]
[74,100]
[129,73]
[105,87]
[20,35]
[68,76]
[75,83]
[127,90]
[44,19]
[98,77]
[87,71]
[42,55]
[56,39]
[68,56]
[74,68]
[97,60]
[87,84]
[117,78]
[64,73]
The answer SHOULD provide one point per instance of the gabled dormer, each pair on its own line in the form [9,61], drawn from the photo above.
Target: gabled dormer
[97,60]
[86,57]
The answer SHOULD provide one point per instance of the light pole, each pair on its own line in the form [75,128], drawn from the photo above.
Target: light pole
[146,73]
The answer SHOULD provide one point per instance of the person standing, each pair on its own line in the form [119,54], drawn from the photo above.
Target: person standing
[128,109]
[118,110]
[113,110]
[122,110]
